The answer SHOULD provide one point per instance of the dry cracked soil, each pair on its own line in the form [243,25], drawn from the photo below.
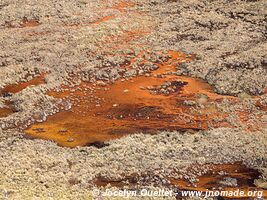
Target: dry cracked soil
[109,95]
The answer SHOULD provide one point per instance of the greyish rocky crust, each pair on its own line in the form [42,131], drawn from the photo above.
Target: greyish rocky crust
[51,170]
[229,40]
[227,37]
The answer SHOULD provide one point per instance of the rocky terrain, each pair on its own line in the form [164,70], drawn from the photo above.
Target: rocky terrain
[202,62]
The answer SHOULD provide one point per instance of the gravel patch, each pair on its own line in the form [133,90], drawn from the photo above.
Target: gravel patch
[47,168]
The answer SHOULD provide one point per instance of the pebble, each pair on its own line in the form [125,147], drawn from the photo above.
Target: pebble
[71,140]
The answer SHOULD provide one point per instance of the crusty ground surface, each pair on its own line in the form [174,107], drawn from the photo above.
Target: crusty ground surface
[73,41]
[41,168]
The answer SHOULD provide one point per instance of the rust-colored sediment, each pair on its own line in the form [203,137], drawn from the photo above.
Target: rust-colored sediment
[29,23]
[107,112]
[121,6]
[15,88]
[7,110]
[104,19]
[211,181]
[103,113]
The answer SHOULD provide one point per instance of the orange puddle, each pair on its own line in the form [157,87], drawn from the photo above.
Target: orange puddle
[15,88]
[107,112]
[210,181]
[103,113]
[6,111]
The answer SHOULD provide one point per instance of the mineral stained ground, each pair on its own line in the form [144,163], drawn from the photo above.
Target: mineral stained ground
[57,45]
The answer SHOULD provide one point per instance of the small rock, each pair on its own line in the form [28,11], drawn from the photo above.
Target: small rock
[228,181]
[101,83]
[142,88]
[70,140]
[260,183]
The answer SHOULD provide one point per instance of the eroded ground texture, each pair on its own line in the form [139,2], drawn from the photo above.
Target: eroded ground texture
[195,120]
